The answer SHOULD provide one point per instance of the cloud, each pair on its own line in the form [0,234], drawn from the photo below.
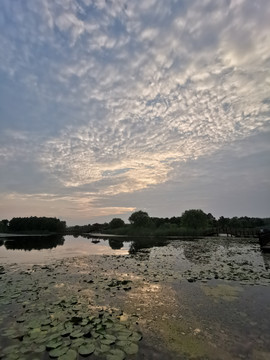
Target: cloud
[113,95]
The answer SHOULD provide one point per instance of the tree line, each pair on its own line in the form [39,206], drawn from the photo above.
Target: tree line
[32,224]
[191,221]
[194,221]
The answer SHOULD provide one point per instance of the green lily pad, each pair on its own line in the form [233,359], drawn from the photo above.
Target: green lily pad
[53,344]
[104,348]
[33,324]
[131,349]
[46,322]
[116,354]
[108,325]
[95,335]
[86,349]
[120,327]
[11,349]
[107,341]
[77,343]
[123,343]
[24,349]
[53,337]
[136,336]
[128,347]
[110,337]
[58,352]
[69,355]
[123,337]
[76,334]
[66,332]
[40,349]
[13,356]
[45,327]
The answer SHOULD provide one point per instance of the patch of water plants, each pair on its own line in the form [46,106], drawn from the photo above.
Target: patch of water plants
[67,329]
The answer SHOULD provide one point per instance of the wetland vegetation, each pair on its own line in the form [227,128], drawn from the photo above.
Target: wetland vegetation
[194,222]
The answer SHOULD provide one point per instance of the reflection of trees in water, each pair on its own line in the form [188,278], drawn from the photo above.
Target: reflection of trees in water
[34,242]
[116,244]
[141,246]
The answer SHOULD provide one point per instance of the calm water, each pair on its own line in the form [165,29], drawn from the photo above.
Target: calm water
[198,253]
[34,250]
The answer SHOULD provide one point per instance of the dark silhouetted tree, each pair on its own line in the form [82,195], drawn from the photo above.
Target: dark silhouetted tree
[4,225]
[211,220]
[141,219]
[194,219]
[34,223]
[116,223]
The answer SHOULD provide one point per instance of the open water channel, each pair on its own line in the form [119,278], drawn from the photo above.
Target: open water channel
[83,298]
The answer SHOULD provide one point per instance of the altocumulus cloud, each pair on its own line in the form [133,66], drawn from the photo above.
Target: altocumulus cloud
[114,97]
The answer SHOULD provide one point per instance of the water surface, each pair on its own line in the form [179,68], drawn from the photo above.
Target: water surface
[201,299]
[37,250]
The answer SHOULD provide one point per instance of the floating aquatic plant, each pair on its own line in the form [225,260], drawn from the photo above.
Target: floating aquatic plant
[68,328]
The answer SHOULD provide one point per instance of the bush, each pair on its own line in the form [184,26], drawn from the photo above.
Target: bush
[140,219]
[116,223]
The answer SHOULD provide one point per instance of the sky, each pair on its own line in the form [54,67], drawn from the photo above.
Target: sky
[113,106]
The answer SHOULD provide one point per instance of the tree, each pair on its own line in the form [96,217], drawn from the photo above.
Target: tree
[211,220]
[194,219]
[223,222]
[140,218]
[5,222]
[34,223]
[175,220]
[4,225]
[116,223]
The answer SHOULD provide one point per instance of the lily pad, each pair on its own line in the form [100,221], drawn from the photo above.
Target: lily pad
[107,341]
[136,336]
[104,348]
[110,337]
[86,349]
[69,355]
[76,334]
[58,352]
[77,343]
[53,344]
[11,349]
[40,349]
[13,356]
[128,347]
[116,354]
[131,349]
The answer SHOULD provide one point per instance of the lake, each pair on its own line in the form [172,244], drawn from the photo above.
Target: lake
[36,250]
[138,299]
